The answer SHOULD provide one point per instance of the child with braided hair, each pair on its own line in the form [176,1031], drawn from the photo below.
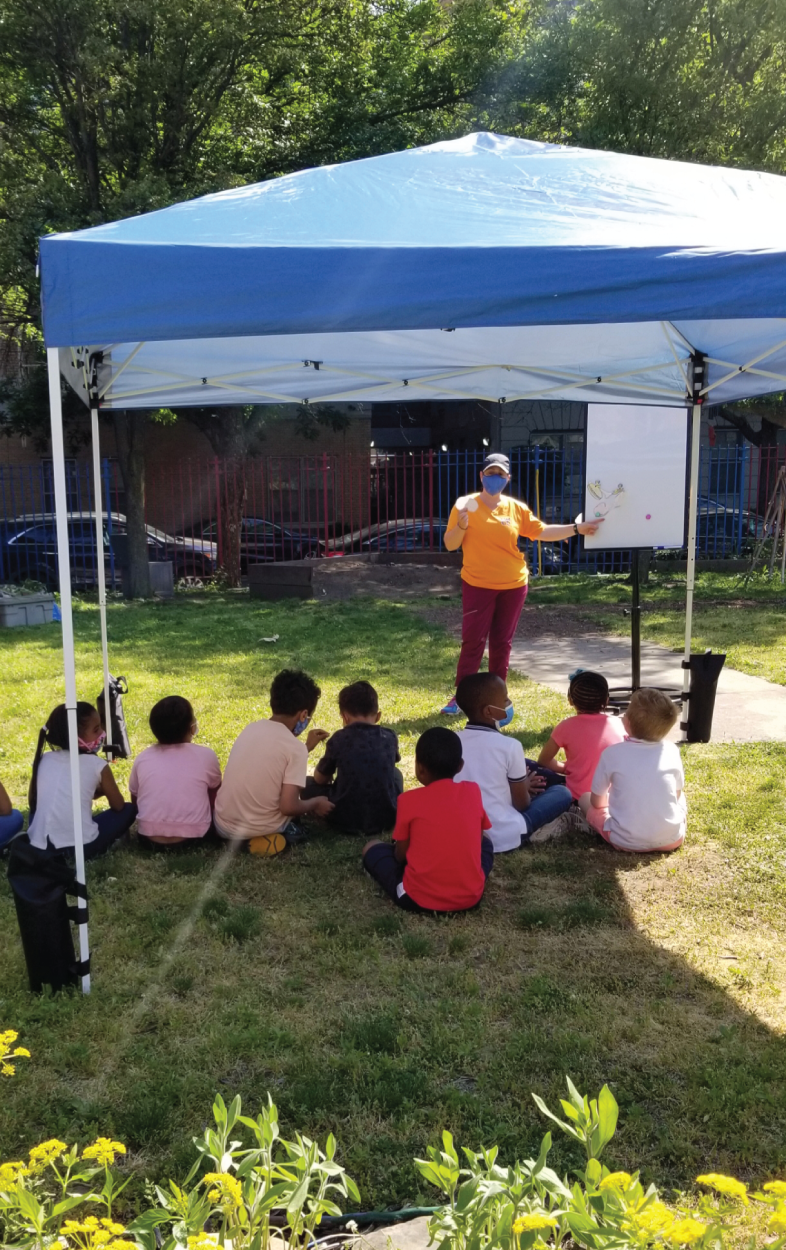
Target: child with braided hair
[585,736]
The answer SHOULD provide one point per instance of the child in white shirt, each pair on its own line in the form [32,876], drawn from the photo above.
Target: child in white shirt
[523,805]
[51,824]
[637,800]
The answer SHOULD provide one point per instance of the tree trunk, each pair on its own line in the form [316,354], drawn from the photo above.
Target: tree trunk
[232,507]
[129,439]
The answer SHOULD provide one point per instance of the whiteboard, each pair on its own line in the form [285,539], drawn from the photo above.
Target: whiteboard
[636,479]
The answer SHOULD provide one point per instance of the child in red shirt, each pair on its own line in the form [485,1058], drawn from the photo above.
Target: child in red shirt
[440,856]
[585,736]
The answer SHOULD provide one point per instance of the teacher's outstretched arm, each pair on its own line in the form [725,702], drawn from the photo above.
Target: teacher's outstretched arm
[553,533]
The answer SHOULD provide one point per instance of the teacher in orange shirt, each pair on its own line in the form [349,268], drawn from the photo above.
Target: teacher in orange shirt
[487,527]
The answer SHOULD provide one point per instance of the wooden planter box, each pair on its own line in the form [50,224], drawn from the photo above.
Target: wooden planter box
[291,579]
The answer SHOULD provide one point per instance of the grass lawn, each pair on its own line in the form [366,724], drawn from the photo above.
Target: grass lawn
[747,622]
[220,972]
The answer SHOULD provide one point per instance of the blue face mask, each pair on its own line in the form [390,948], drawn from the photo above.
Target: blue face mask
[300,726]
[494,483]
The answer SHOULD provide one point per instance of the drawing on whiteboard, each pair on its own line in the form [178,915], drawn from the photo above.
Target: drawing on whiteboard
[604,501]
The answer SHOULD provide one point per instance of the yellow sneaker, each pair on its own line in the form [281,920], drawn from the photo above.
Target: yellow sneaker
[267,844]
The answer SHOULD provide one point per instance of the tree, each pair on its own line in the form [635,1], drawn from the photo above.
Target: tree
[694,80]
[113,107]
[235,433]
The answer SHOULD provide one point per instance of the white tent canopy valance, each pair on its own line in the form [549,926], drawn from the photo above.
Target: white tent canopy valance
[485,267]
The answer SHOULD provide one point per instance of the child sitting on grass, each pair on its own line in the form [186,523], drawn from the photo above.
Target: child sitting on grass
[51,824]
[11,820]
[174,783]
[440,856]
[523,802]
[637,800]
[586,735]
[363,757]
[267,768]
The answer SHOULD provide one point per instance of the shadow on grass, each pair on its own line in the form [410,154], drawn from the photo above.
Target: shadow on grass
[295,975]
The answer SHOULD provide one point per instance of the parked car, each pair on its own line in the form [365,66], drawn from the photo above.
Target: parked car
[31,552]
[359,539]
[407,536]
[261,541]
[716,522]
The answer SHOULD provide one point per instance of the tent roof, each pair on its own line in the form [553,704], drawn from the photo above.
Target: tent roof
[364,265]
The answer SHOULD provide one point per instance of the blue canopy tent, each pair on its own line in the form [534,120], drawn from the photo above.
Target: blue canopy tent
[485,267]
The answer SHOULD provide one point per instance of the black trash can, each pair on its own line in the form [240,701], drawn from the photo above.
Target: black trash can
[704,673]
[41,882]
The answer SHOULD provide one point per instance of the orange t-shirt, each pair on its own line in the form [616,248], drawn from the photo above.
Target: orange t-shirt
[491,555]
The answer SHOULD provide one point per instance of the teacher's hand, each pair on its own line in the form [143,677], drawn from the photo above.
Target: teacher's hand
[463,519]
[589,527]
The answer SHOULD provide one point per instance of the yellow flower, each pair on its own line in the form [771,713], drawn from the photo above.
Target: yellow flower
[103,1150]
[776,1187]
[684,1232]
[227,1191]
[7,1039]
[654,1218]
[45,1154]
[10,1174]
[777,1221]
[94,1234]
[727,1185]
[616,1180]
[534,1222]
[203,1241]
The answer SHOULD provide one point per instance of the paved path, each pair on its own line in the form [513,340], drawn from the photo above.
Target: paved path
[747,709]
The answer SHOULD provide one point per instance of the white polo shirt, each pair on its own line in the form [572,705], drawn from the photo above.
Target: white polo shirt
[493,760]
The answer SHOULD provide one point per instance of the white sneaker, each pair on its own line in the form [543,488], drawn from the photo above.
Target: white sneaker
[568,822]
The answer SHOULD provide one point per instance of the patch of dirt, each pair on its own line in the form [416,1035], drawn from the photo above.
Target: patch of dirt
[346,578]
[536,622]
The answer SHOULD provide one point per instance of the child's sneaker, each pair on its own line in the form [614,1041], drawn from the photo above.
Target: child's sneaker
[450,709]
[569,822]
[295,834]
[267,844]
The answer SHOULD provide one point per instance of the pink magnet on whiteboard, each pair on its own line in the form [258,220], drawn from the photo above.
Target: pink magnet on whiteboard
[648,517]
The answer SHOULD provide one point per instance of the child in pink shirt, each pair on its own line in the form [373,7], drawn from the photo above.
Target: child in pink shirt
[174,783]
[586,735]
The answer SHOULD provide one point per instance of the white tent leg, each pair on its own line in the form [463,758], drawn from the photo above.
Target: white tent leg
[69,660]
[693,500]
[99,513]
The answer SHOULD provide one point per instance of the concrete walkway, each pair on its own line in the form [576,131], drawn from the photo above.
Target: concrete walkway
[747,709]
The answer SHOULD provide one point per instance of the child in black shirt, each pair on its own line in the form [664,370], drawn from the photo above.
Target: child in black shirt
[362,758]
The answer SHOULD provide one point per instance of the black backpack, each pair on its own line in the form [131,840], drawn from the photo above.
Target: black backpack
[40,881]
[121,747]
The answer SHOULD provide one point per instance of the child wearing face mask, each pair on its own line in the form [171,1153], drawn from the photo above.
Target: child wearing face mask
[523,802]
[267,769]
[174,783]
[51,813]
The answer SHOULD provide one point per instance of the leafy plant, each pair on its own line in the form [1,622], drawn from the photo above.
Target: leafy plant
[241,1186]
[492,1207]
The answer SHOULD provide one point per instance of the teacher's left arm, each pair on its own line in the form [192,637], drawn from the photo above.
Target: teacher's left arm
[553,533]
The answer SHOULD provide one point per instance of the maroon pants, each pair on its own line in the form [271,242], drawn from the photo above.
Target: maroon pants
[492,615]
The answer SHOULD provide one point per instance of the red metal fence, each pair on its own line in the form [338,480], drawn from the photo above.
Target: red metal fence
[206,515]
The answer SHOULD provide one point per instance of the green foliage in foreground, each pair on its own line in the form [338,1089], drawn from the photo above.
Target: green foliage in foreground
[220,972]
[255,1196]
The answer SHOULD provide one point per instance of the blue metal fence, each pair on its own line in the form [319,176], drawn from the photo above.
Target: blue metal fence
[341,504]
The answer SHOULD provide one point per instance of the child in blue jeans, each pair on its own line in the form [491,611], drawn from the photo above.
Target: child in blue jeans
[11,820]
[522,801]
